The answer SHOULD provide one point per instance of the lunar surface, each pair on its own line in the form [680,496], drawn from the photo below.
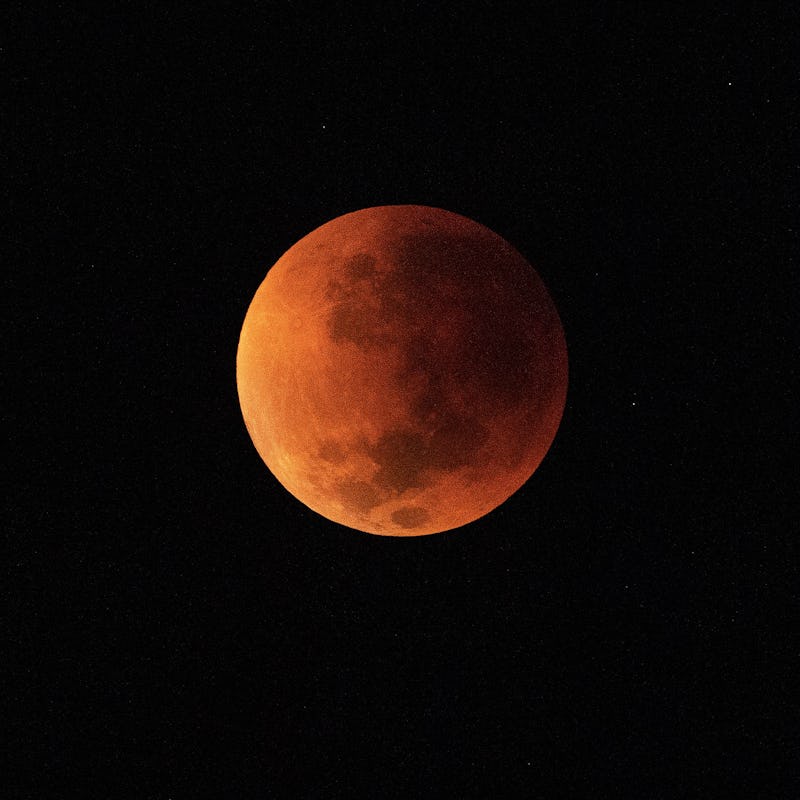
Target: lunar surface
[402,370]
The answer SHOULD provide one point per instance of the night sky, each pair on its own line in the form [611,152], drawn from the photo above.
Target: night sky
[179,626]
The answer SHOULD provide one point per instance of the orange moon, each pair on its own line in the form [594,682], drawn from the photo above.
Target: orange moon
[402,370]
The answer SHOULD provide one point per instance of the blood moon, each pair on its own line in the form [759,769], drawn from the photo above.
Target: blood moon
[402,370]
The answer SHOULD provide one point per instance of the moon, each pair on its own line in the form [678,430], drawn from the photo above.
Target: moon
[402,370]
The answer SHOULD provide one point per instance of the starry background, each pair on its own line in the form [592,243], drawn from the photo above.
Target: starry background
[179,626]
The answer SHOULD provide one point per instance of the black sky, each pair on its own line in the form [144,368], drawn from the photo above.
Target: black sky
[180,627]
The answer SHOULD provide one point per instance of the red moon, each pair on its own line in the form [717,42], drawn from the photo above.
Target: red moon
[402,370]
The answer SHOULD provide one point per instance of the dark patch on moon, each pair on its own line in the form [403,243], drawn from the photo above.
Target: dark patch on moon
[495,290]
[400,455]
[455,442]
[331,452]
[360,266]
[334,290]
[356,303]
[410,517]
[404,455]
[350,323]
[359,495]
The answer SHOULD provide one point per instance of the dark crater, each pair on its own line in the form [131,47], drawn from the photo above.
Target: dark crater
[410,517]
[360,495]
[405,455]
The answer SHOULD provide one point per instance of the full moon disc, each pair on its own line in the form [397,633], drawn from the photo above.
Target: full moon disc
[402,370]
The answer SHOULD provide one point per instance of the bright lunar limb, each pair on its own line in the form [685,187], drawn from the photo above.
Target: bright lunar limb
[402,370]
